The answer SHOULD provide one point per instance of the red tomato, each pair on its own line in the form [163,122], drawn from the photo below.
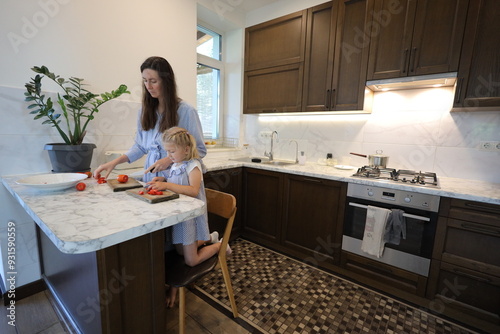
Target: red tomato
[89,174]
[122,178]
[141,192]
[80,186]
[101,180]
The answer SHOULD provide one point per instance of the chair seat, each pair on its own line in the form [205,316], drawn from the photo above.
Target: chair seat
[179,274]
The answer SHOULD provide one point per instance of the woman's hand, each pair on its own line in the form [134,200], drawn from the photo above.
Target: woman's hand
[109,166]
[159,165]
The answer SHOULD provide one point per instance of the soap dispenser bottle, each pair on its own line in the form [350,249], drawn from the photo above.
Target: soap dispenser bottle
[302,158]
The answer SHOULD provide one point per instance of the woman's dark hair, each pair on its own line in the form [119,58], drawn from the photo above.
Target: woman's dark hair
[150,104]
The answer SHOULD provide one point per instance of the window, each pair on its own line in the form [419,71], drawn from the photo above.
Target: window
[209,81]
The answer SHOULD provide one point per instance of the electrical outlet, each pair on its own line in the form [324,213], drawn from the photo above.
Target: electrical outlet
[490,146]
[265,134]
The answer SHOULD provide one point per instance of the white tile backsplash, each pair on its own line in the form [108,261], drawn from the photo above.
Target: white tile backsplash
[415,128]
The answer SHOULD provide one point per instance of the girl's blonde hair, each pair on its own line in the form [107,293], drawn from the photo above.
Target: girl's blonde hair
[182,138]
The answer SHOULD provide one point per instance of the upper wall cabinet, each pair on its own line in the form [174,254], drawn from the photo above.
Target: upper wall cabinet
[416,37]
[277,42]
[478,86]
[274,58]
[336,55]
[327,72]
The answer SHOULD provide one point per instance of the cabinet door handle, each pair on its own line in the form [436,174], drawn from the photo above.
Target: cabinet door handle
[328,94]
[332,104]
[477,278]
[413,56]
[405,56]
[458,93]
[481,207]
[312,180]
[480,229]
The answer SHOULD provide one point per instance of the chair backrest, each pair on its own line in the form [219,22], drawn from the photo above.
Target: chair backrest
[223,205]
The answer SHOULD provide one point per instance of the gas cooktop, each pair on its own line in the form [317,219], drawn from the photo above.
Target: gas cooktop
[410,177]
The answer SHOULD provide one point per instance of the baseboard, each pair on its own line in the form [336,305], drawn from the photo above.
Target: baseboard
[24,291]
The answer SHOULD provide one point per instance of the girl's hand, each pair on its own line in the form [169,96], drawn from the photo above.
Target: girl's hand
[158,185]
[157,179]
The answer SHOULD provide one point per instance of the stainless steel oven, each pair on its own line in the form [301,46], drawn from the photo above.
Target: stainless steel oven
[420,211]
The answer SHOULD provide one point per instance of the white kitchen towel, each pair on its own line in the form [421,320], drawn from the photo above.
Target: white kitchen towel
[373,237]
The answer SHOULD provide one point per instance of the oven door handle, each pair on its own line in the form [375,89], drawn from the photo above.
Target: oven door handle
[404,214]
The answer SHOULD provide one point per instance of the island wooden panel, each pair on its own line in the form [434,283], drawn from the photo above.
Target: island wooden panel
[119,289]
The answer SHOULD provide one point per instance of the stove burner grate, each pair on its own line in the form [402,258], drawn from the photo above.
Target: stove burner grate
[410,177]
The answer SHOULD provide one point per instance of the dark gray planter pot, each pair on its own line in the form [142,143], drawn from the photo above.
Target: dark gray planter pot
[70,158]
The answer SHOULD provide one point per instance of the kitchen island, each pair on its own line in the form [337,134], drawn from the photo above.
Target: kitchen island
[102,253]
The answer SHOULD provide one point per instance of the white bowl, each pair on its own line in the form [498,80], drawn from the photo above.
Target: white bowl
[54,181]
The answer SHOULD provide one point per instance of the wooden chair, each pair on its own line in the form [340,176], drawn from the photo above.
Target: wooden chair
[180,275]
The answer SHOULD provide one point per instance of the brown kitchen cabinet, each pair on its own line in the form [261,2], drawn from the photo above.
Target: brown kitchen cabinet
[263,205]
[465,272]
[478,85]
[416,37]
[300,216]
[274,59]
[228,181]
[336,59]
[312,219]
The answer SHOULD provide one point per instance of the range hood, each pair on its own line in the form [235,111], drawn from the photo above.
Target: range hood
[422,81]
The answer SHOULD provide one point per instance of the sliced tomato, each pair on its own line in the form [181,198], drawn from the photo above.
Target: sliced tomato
[80,186]
[101,180]
[122,178]
[141,192]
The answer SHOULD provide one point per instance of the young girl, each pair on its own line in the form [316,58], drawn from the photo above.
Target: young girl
[185,177]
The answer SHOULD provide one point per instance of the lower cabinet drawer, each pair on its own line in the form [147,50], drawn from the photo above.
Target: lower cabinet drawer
[472,292]
[379,274]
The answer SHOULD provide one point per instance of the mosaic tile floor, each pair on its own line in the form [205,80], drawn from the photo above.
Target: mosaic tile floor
[276,294]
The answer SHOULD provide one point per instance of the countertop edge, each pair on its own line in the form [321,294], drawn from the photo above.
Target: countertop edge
[479,191]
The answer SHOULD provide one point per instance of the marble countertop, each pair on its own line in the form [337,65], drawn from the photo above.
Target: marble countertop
[96,218]
[473,190]
[80,222]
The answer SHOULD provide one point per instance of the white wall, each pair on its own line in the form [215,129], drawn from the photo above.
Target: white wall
[103,42]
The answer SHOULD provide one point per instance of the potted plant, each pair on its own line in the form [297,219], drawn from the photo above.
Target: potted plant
[76,108]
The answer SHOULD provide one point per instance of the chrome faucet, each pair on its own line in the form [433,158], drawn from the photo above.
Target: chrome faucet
[270,154]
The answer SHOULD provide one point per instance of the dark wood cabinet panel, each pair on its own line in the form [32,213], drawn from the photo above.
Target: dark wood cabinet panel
[351,55]
[263,206]
[416,37]
[320,45]
[336,60]
[273,90]
[228,181]
[466,254]
[383,276]
[478,83]
[314,209]
[277,42]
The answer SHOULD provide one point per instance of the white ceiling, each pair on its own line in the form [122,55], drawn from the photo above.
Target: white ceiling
[249,5]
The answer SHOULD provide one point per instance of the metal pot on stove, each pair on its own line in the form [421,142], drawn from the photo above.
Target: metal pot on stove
[375,160]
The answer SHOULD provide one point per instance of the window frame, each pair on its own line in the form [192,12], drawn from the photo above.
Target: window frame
[219,65]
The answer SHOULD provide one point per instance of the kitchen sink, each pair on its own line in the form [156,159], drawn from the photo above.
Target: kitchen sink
[279,162]
[265,161]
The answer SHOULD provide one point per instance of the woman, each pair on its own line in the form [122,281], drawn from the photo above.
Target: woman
[161,110]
